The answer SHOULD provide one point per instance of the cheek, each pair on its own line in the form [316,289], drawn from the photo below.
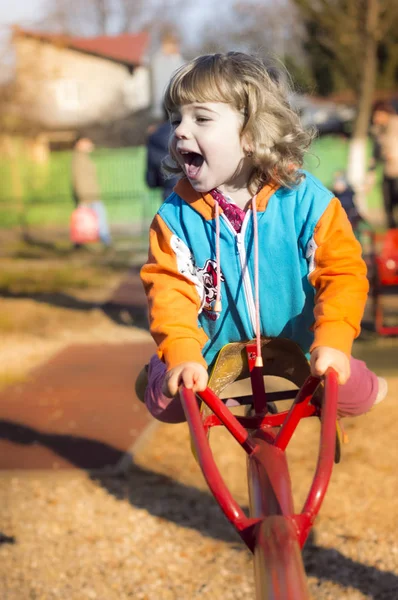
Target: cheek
[222,150]
[233,152]
[172,149]
[172,143]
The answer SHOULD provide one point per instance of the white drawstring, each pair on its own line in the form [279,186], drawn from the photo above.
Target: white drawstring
[217,304]
[259,360]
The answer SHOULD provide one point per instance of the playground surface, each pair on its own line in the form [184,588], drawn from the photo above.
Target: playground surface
[99,501]
[153,532]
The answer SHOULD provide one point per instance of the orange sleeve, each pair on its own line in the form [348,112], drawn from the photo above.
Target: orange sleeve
[339,278]
[173,301]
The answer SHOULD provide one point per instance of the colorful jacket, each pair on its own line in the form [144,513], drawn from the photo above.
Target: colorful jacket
[313,284]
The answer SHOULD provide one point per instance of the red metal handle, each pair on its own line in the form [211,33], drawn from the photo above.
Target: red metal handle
[325,462]
[227,419]
[229,506]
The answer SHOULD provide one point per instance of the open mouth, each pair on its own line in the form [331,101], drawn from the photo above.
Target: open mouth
[192,163]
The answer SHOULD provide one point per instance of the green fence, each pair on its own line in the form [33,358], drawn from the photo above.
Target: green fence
[330,154]
[40,196]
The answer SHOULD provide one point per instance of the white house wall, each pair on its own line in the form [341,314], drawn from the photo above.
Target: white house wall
[64,88]
[137,89]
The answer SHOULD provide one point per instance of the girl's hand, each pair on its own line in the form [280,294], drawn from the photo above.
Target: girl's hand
[193,375]
[324,357]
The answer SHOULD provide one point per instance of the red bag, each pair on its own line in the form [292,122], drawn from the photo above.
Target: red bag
[84,226]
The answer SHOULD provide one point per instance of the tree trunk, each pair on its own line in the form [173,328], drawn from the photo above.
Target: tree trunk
[357,159]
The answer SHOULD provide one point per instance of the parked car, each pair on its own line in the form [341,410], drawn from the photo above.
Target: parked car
[326,116]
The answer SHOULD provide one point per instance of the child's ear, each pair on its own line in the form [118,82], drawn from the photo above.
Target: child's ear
[247,145]
[248,149]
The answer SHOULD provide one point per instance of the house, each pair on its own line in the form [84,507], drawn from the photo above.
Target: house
[68,84]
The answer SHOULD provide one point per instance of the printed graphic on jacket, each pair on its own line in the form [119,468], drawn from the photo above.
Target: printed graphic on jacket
[310,255]
[204,278]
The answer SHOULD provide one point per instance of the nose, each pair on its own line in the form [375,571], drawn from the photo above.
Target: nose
[182,130]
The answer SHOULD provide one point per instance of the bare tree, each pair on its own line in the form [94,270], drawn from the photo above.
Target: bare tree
[350,33]
[13,100]
[98,17]
[252,26]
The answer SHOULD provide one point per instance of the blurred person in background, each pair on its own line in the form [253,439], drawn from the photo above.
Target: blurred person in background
[345,193]
[362,229]
[385,134]
[157,150]
[86,190]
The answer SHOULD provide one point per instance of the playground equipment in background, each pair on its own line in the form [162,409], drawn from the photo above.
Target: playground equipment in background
[381,256]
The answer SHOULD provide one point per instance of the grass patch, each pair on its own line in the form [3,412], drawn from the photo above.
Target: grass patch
[47,280]
[41,195]
[29,269]
[329,154]
[20,249]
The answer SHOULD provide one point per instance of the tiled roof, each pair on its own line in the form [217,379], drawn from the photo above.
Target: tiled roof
[127,48]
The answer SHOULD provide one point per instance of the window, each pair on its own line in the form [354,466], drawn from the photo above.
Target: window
[67,94]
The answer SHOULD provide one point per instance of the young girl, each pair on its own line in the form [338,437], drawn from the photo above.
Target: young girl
[248,244]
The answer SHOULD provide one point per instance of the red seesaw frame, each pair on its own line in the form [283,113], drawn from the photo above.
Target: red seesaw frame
[273,532]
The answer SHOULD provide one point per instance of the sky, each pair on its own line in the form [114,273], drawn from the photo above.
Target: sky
[20,11]
[27,13]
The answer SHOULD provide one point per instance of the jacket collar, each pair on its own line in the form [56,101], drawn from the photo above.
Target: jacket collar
[204,203]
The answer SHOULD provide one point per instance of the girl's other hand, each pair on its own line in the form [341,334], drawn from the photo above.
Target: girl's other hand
[324,357]
[191,374]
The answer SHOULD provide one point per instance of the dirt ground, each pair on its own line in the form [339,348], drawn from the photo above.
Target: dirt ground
[352,552]
[153,532]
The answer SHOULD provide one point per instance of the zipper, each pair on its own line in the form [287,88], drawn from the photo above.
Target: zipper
[247,286]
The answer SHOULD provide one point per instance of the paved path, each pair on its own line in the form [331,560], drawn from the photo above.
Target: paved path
[79,409]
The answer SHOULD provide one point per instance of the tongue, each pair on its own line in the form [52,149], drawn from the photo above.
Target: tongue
[192,171]
[194,165]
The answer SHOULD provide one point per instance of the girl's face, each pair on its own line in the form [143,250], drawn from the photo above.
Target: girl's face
[206,143]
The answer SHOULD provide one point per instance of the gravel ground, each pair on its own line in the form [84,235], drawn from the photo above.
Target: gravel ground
[154,533]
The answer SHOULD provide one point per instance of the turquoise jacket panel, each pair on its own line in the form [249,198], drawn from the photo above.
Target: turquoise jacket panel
[285,229]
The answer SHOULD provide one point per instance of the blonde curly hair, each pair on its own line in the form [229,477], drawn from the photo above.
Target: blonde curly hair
[277,139]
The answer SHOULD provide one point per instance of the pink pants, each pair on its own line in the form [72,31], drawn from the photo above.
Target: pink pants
[356,397]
